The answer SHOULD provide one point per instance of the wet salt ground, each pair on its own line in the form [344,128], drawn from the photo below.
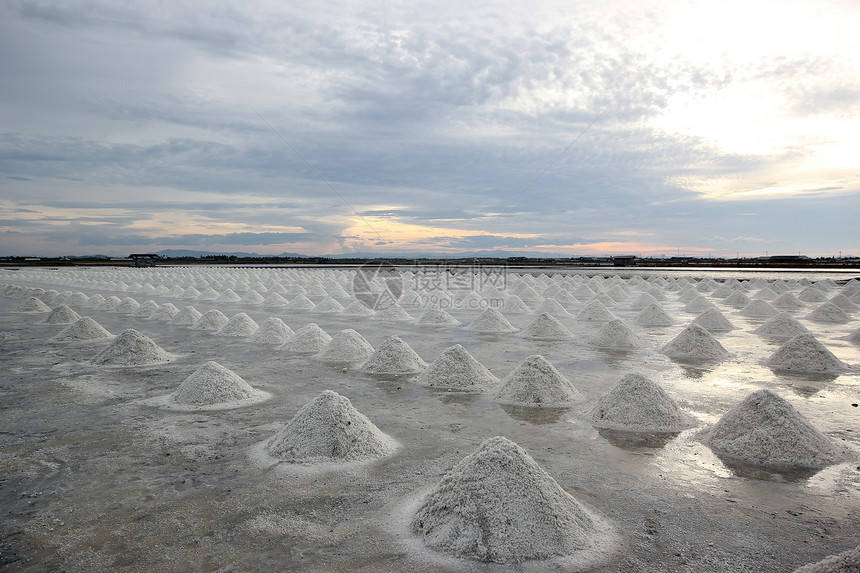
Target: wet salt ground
[93,479]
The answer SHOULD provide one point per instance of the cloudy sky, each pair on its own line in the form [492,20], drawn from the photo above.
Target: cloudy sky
[575,127]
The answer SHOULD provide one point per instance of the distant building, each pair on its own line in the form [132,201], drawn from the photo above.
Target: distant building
[144,259]
[624,261]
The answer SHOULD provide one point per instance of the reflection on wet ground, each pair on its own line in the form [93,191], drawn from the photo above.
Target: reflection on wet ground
[535,415]
[633,441]
[744,469]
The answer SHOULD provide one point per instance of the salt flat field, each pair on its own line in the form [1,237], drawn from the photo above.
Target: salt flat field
[427,419]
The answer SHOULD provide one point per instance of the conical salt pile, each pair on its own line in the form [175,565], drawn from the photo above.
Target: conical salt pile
[393,313]
[758,308]
[642,301]
[84,329]
[713,320]
[553,307]
[653,315]
[328,305]
[62,315]
[698,305]
[615,335]
[273,330]
[146,309]
[804,353]
[637,404]
[845,562]
[536,382]
[498,505]
[515,305]
[214,387]
[456,369]
[435,316]
[34,305]
[839,300]
[126,306]
[110,303]
[812,294]
[737,299]
[300,302]
[77,299]
[764,428]
[212,320]
[357,308]
[394,357]
[782,325]
[309,339]
[694,342]
[329,429]
[187,316]
[239,325]
[275,300]
[787,300]
[596,311]
[490,321]
[546,327]
[228,295]
[828,313]
[346,346]
[131,348]
[252,297]
[166,312]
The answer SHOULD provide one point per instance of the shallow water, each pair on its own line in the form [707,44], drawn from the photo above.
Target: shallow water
[96,480]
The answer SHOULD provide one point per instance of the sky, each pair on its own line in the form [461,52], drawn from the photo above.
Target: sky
[652,128]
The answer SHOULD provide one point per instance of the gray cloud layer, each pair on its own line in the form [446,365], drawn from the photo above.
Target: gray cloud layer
[424,115]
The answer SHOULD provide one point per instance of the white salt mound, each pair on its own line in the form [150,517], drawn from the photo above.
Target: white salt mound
[653,315]
[131,348]
[329,305]
[239,325]
[615,335]
[212,320]
[737,299]
[301,302]
[214,387]
[273,330]
[357,308]
[804,353]
[83,329]
[638,404]
[62,315]
[187,316]
[126,306]
[595,311]
[456,369]
[830,313]
[166,312]
[845,562]
[435,316]
[329,429]
[782,325]
[346,346]
[713,320]
[393,313]
[498,505]
[490,321]
[33,304]
[553,307]
[694,342]
[536,382]
[758,308]
[394,356]
[546,327]
[308,339]
[766,429]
